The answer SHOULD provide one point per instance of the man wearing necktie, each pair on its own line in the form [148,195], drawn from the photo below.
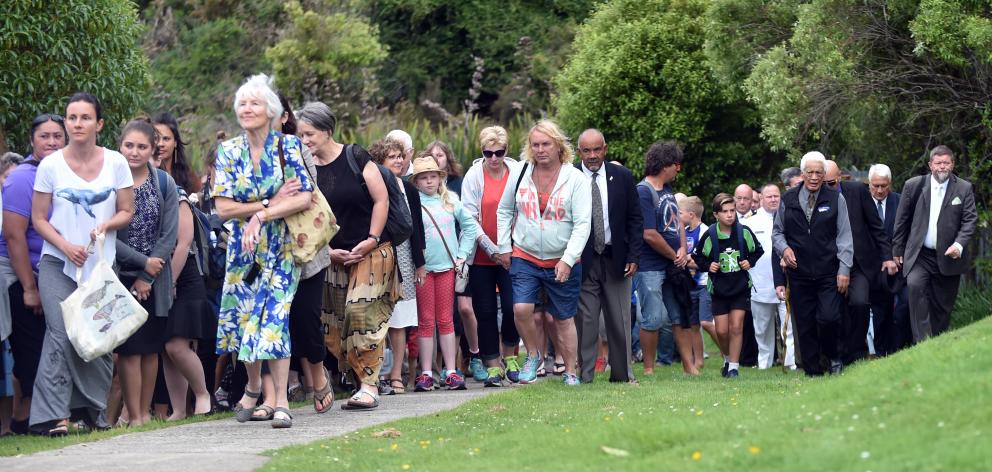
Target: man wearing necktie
[934,223]
[872,260]
[609,259]
[812,234]
[889,300]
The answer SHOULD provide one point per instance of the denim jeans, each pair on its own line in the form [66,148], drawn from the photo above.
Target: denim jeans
[657,313]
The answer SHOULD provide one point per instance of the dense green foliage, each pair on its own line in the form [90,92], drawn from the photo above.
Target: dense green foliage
[639,74]
[307,69]
[433,44]
[76,45]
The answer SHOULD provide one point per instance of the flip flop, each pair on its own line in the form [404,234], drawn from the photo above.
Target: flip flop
[354,404]
[320,395]
[398,387]
[269,412]
[559,368]
[245,414]
[282,423]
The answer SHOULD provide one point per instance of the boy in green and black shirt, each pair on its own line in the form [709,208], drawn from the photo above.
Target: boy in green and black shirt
[728,258]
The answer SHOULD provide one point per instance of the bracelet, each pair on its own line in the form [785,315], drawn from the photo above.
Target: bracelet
[268,216]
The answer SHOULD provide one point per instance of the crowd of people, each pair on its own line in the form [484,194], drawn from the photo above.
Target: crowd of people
[435,276]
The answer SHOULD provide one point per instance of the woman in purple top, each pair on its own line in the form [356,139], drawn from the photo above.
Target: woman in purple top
[20,249]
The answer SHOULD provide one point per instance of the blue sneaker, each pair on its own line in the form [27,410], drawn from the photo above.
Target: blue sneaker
[528,374]
[512,369]
[495,377]
[478,370]
[571,380]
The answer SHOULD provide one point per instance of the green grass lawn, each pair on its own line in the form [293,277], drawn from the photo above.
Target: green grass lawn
[927,408]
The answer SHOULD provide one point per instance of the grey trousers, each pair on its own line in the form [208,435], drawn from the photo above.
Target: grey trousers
[65,382]
[931,296]
[603,292]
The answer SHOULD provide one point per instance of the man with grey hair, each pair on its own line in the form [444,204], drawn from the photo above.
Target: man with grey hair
[889,300]
[934,224]
[812,234]
[791,177]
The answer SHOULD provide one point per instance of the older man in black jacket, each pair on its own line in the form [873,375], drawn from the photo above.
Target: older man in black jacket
[609,259]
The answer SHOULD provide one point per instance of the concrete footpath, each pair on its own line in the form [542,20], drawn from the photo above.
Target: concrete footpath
[228,445]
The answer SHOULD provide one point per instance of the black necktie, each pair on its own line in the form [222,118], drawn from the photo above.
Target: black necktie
[598,231]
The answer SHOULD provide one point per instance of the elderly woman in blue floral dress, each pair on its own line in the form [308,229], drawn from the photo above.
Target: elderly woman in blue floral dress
[253,192]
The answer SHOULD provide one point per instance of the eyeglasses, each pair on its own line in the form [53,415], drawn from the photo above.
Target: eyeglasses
[830,183]
[497,153]
[46,117]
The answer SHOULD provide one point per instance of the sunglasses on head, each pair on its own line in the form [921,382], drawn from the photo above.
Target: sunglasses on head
[46,117]
[831,183]
[497,153]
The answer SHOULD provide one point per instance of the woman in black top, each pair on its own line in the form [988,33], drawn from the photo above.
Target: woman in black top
[362,255]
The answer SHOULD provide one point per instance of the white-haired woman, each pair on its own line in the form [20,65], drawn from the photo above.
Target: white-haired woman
[255,192]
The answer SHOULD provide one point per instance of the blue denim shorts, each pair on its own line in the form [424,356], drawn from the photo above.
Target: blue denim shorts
[528,280]
[701,305]
[658,305]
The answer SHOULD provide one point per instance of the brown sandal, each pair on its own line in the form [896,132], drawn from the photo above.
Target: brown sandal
[320,395]
[397,385]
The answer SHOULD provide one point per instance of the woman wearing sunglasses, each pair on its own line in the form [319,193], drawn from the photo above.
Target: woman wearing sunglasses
[482,189]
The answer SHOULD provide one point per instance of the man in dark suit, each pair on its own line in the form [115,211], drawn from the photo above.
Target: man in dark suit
[609,259]
[872,255]
[934,223]
[889,299]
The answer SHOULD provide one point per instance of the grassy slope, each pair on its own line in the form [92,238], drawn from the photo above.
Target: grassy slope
[926,408]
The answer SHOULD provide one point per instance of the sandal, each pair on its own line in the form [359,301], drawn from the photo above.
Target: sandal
[268,410]
[398,386]
[282,423]
[355,403]
[320,395]
[559,368]
[58,431]
[244,414]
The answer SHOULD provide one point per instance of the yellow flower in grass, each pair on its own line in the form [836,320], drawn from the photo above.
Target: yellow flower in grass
[697,455]
[755,450]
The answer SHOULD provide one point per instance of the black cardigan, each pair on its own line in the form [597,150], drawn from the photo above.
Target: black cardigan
[418,242]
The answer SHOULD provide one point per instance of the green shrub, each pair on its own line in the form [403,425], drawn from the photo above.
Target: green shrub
[50,50]
[973,304]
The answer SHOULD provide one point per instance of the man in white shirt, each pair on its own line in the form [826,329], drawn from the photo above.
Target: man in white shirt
[766,302]
[935,221]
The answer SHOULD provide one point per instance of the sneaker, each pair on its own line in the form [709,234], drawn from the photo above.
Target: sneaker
[385,388]
[732,374]
[479,372]
[494,377]
[570,379]
[529,372]
[600,365]
[454,381]
[512,370]
[723,371]
[424,383]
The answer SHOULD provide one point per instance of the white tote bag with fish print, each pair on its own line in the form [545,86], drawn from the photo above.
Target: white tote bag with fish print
[101,314]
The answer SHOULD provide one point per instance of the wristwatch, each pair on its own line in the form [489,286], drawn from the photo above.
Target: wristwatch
[265,203]
[374,238]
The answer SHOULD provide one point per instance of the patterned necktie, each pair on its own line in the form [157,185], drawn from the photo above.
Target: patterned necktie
[810,203]
[598,232]
[881,211]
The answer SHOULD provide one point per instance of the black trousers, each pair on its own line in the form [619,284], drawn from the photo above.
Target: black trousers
[483,281]
[931,296]
[858,315]
[816,310]
[26,337]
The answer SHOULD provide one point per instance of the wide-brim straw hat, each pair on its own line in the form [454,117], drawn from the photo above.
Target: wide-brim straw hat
[426,164]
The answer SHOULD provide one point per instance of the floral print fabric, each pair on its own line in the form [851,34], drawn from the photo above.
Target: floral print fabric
[254,318]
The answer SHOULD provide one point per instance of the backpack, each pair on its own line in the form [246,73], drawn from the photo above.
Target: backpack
[209,245]
[741,245]
[399,222]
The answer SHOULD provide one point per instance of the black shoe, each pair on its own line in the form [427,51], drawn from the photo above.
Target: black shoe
[726,367]
[732,374]
[836,367]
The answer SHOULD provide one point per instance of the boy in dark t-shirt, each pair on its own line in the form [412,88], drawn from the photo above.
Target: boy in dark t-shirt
[728,257]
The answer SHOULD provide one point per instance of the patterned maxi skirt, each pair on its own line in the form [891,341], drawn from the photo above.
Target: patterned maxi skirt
[358,302]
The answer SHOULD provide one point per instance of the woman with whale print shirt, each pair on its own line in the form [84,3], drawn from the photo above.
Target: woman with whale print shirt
[89,190]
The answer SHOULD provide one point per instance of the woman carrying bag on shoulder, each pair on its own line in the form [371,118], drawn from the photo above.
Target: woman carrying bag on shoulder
[255,193]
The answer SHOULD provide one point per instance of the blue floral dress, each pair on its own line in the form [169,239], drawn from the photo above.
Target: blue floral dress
[254,319]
